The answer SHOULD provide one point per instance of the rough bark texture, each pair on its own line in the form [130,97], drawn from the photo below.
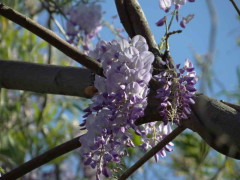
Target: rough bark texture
[219,125]
[45,78]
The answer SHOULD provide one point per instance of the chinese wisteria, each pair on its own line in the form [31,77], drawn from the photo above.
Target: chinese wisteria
[155,132]
[177,92]
[166,6]
[83,23]
[122,98]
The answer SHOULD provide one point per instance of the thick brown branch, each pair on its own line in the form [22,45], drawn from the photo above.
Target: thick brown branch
[42,159]
[217,123]
[44,78]
[51,38]
[125,17]
[152,152]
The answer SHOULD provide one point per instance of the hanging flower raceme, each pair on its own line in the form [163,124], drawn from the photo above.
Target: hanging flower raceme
[177,92]
[85,21]
[121,99]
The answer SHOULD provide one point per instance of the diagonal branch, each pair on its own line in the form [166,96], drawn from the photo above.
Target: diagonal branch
[39,78]
[152,152]
[235,6]
[51,38]
[42,159]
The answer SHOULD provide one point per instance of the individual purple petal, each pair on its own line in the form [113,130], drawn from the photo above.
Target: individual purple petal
[186,20]
[183,23]
[106,172]
[162,21]
[190,88]
[156,157]
[88,161]
[187,110]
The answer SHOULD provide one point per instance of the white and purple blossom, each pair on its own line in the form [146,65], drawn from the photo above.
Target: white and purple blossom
[84,20]
[121,99]
[166,4]
[155,133]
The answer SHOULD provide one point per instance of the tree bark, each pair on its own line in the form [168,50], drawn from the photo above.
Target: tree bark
[50,79]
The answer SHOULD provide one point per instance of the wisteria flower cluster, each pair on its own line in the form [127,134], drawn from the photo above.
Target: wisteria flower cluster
[121,99]
[155,132]
[85,21]
[166,6]
[177,92]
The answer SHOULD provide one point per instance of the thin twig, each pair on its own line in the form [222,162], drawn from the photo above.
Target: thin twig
[51,38]
[235,6]
[173,32]
[42,159]
[152,152]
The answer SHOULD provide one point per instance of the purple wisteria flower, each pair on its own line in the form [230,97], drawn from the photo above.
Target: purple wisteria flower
[155,133]
[177,92]
[161,21]
[166,4]
[85,21]
[186,20]
[121,99]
